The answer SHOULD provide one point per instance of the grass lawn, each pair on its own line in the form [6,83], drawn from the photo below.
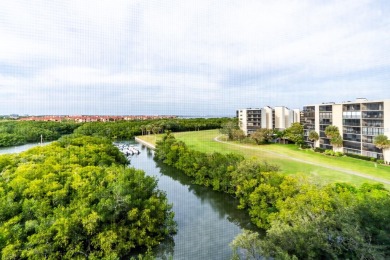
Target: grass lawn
[290,158]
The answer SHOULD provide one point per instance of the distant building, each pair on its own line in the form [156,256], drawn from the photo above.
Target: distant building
[91,118]
[279,118]
[358,121]
[249,119]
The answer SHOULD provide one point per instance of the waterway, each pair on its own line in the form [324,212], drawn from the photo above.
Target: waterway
[20,148]
[207,220]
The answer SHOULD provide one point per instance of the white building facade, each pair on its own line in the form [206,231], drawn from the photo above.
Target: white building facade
[358,121]
[279,118]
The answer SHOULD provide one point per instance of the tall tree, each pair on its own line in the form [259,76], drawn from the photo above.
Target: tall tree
[228,128]
[332,132]
[313,136]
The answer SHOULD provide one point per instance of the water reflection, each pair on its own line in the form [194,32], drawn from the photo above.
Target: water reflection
[207,220]
[222,204]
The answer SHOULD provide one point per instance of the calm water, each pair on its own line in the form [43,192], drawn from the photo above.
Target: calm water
[207,220]
[20,148]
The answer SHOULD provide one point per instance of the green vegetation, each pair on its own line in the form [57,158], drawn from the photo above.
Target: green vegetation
[338,221]
[382,142]
[303,220]
[291,160]
[332,132]
[313,136]
[21,132]
[125,130]
[295,133]
[229,129]
[262,136]
[77,199]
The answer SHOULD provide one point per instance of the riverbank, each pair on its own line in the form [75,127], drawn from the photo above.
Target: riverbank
[143,142]
[208,221]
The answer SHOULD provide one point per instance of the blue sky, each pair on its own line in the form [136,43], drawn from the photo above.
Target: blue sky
[186,57]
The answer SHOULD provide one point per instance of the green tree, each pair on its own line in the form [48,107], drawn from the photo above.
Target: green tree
[262,135]
[313,136]
[332,132]
[248,243]
[295,133]
[238,135]
[228,129]
[381,141]
[74,199]
[336,141]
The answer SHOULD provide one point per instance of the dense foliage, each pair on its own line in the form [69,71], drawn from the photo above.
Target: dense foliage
[76,198]
[303,220]
[295,133]
[332,132]
[381,141]
[21,132]
[125,130]
[263,135]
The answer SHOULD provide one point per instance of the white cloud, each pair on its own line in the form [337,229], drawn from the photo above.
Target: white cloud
[194,52]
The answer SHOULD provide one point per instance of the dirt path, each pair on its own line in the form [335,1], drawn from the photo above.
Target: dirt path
[304,161]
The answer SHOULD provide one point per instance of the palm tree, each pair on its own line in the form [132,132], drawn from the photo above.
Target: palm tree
[336,141]
[382,142]
[143,129]
[313,136]
[148,129]
[332,132]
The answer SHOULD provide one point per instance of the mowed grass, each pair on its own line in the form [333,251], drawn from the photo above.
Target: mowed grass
[290,158]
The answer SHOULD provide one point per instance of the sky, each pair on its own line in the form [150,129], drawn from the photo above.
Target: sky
[186,57]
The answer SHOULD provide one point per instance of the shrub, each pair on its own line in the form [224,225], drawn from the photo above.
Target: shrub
[319,150]
[380,161]
[339,154]
[330,152]
[358,156]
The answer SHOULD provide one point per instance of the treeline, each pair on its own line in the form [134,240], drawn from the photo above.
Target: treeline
[302,220]
[14,133]
[77,199]
[21,132]
[125,130]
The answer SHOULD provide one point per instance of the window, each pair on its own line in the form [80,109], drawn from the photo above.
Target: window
[352,115]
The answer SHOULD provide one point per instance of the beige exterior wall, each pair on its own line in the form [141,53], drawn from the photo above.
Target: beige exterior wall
[337,120]
[297,116]
[317,123]
[386,126]
[279,117]
[284,117]
[245,123]
[242,120]
[266,117]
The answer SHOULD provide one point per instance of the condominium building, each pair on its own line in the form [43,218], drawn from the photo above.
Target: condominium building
[280,118]
[249,119]
[358,122]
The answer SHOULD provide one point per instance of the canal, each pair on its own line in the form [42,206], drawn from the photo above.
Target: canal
[207,220]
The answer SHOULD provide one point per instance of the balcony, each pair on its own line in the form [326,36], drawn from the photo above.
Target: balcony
[351,107]
[373,106]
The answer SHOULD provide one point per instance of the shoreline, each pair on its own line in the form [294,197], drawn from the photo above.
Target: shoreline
[147,144]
